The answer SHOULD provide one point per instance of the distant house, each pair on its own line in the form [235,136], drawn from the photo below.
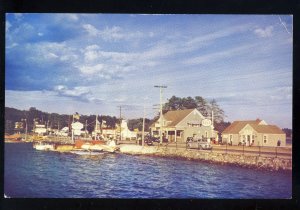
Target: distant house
[254,132]
[179,124]
[109,132]
[125,132]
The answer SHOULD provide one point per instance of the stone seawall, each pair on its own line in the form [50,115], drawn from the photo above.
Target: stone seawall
[269,163]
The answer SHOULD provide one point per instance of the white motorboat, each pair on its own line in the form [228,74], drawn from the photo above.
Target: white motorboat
[44,146]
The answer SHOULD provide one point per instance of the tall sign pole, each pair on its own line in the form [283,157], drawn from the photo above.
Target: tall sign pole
[161,120]
[143,134]
[120,123]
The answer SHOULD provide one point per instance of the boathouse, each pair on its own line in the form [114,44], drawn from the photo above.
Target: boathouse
[178,125]
[254,133]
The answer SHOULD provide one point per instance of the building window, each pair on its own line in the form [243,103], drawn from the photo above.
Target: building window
[193,125]
[253,137]
[206,135]
[265,139]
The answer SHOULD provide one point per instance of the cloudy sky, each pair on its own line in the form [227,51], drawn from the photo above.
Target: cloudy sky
[93,63]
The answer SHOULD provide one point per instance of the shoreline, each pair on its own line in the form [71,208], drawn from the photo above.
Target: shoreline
[240,160]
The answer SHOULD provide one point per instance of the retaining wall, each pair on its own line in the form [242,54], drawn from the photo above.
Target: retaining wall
[270,163]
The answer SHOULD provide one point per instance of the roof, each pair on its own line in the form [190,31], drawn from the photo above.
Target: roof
[175,116]
[237,126]
[273,129]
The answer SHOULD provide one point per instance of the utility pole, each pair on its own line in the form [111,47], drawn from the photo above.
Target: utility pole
[25,120]
[85,128]
[73,141]
[120,122]
[143,134]
[161,121]
[26,130]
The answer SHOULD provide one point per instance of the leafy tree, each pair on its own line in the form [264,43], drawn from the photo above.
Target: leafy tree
[174,103]
[188,103]
[138,123]
[205,108]
[288,132]
[221,126]
[202,105]
[217,111]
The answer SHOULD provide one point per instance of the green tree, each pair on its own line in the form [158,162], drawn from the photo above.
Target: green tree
[174,103]
[188,103]
[217,111]
[202,105]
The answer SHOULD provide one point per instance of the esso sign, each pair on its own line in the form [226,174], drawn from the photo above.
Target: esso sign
[206,122]
[77,126]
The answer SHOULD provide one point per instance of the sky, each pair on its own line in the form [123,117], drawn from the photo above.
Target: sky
[94,63]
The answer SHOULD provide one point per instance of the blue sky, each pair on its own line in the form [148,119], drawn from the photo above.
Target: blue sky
[92,63]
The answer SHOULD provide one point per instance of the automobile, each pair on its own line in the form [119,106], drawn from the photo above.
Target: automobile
[204,144]
[189,139]
[157,139]
[199,143]
[148,141]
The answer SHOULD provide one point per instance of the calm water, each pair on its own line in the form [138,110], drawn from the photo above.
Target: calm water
[34,174]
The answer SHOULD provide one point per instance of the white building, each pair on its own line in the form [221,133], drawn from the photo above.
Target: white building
[40,129]
[125,132]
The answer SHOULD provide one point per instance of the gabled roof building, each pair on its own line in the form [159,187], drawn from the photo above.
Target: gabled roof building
[179,124]
[254,132]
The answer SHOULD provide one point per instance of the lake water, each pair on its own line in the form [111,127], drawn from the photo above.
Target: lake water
[37,174]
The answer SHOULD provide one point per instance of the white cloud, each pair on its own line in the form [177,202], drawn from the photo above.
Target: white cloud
[228,53]
[65,17]
[11,46]
[7,26]
[92,31]
[92,47]
[203,40]
[42,53]
[91,69]
[264,32]
[72,17]
[52,55]
[18,16]
[114,33]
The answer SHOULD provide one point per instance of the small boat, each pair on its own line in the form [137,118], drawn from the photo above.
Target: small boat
[44,146]
[15,138]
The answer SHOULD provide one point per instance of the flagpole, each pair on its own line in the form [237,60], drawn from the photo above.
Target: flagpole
[72,129]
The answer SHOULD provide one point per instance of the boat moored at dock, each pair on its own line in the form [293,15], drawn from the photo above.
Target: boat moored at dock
[44,146]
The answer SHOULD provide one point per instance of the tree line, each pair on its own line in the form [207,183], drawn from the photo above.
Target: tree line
[51,120]
[58,121]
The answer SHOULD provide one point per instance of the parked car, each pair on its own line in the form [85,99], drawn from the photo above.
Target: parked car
[199,143]
[157,139]
[204,144]
[147,141]
[189,139]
